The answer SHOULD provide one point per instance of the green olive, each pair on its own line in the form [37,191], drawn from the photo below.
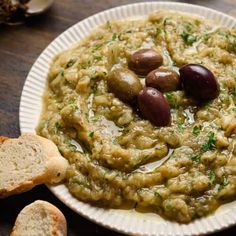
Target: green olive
[124,84]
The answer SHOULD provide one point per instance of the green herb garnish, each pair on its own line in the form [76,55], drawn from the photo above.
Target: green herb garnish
[212,177]
[158,31]
[91,134]
[70,63]
[196,130]
[205,37]
[181,127]
[210,144]
[84,183]
[97,46]
[169,96]
[224,183]
[171,99]
[165,21]
[231,39]
[72,147]
[62,73]
[109,25]
[57,127]
[98,58]
[196,158]
[128,32]
[188,38]
[188,27]
[95,118]
[74,106]
[168,206]
[157,194]
[114,37]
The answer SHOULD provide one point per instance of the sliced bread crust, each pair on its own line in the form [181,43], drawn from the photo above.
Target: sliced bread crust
[3,139]
[40,218]
[28,161]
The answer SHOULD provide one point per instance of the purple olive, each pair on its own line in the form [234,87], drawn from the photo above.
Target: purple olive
[198,82]
[164,80]
[154,106]
[144,61]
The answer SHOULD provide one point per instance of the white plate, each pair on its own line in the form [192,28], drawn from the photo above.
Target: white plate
[126,221]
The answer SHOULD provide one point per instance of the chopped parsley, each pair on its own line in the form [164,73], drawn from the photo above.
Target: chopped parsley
[165,21]
[210,143]
[114,37]
[70,63]
[109,25]
[91,134]
[72,147]
[231,40]
[168,206]
[169,96]
[128,32]
[181,127]
[171,99]
[212,177]
[57,127]
[74,106]
[233,93]
[189,27]
[233,46]
[62,73]
[205,37]
[234,109]
[188,38]
[224,183]
[98,58]
[95,118]
[196,158]
[97,46]
[158,31]
[157,194]
[196,130]
[84,183]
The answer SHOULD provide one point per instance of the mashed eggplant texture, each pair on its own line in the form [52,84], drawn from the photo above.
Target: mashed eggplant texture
[181,171]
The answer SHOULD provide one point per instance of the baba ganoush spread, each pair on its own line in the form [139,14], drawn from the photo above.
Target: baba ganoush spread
[175,156]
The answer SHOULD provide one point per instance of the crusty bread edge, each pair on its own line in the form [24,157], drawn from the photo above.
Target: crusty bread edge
[56,163]
[3,139]
[55,172]
[59,220]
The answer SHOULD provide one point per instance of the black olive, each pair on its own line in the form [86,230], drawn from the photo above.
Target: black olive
[154,107]
[198,82]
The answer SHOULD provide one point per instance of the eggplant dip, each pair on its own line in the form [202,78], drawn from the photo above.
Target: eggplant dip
[144,111]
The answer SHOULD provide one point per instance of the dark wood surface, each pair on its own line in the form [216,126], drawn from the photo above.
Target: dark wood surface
[19,48]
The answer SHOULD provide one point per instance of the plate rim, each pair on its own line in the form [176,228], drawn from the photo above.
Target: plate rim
[53,189]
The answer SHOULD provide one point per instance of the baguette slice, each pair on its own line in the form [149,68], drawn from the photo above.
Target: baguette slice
[40,218]
[28,161]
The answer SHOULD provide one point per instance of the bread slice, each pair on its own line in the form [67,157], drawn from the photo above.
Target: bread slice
[28,161]
[40,218]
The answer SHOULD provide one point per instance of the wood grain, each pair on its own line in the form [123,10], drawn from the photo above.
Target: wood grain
[19,48]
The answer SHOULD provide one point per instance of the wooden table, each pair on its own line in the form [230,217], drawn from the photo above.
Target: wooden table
[19,48]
